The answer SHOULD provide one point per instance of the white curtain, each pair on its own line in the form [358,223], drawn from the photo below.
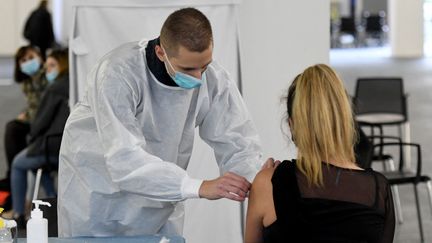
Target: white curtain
[98,26]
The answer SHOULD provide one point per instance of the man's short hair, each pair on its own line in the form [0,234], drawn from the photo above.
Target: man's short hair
[186,27]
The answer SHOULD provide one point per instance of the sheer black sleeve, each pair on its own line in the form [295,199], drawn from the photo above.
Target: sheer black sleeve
[389,223]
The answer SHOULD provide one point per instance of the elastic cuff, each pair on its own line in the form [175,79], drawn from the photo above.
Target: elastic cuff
[190,187]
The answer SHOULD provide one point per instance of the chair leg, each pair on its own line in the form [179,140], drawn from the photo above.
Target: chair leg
[397,203]
[37,183]
[407,139]
[396,197]
[391,164]
[419,213]
[384,163]
[429,189]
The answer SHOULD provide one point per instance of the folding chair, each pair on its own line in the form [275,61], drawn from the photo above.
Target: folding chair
[403,176]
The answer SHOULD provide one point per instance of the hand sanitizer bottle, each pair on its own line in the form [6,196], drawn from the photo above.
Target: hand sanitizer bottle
[5,230]
[37,226]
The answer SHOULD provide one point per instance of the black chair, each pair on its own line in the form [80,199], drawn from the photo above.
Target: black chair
[374,26]
[49,166]
[348,26]
[363,150]
[364,153]
[402,176]
[382,102]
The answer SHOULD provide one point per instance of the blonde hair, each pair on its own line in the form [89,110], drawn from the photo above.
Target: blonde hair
[322,120]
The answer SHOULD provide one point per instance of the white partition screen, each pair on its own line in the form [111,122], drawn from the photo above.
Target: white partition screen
[99,26]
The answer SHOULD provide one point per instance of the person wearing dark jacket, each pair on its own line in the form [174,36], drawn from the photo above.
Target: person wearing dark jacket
[30,75]
[50,120]
[39,29]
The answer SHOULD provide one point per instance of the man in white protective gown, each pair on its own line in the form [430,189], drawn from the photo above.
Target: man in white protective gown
[127,144]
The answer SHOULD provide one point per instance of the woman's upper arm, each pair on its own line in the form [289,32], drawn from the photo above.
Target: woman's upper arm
[260,205]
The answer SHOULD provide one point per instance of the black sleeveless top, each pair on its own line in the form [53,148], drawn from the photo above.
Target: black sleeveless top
[352,206]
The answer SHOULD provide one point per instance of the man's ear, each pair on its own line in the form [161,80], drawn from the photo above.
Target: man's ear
[160,53]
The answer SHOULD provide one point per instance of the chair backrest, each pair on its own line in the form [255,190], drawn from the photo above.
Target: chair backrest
[363,150]
[415,146]
[374,23]
[380,95]
[348,25]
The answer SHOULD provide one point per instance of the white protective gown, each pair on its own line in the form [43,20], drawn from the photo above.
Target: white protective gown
[127,144]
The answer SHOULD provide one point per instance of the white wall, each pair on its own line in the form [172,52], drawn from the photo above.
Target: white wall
[374,6]
[7,15]
[13,14]
[406,28]
[344,7]
[279,40]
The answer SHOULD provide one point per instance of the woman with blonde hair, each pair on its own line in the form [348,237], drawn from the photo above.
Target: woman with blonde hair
[322,196]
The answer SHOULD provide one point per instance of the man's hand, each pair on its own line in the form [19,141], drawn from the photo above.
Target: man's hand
[270,163]
[230,185]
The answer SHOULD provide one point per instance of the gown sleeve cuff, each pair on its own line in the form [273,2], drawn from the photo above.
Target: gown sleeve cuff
[190,187]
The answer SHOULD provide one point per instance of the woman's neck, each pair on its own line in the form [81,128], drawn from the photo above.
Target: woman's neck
[344,164]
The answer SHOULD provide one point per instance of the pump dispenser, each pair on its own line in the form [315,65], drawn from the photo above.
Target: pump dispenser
[37,226]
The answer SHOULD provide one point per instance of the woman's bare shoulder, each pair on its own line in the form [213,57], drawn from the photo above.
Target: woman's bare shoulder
[263,178]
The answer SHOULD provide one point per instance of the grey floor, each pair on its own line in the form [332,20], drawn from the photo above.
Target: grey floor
[350,64]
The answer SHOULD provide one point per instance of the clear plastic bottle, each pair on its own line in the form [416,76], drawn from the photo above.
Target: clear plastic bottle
[5,233]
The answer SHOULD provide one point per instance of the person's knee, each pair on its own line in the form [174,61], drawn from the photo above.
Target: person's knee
[15,128]
[10,126]
[19,161]
[15,163]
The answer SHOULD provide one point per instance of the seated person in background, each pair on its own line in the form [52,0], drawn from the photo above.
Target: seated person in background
[323,196]
[30,75]
[50,119]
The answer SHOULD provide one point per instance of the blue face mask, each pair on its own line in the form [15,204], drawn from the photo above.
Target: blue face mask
[51,76]
[30,67]
[184,80]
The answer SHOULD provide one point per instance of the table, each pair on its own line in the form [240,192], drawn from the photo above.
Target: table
[132,239]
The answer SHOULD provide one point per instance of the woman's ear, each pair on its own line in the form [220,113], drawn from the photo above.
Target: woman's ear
[290,124]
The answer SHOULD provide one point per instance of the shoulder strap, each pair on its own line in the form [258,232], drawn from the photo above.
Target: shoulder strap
[285,190]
